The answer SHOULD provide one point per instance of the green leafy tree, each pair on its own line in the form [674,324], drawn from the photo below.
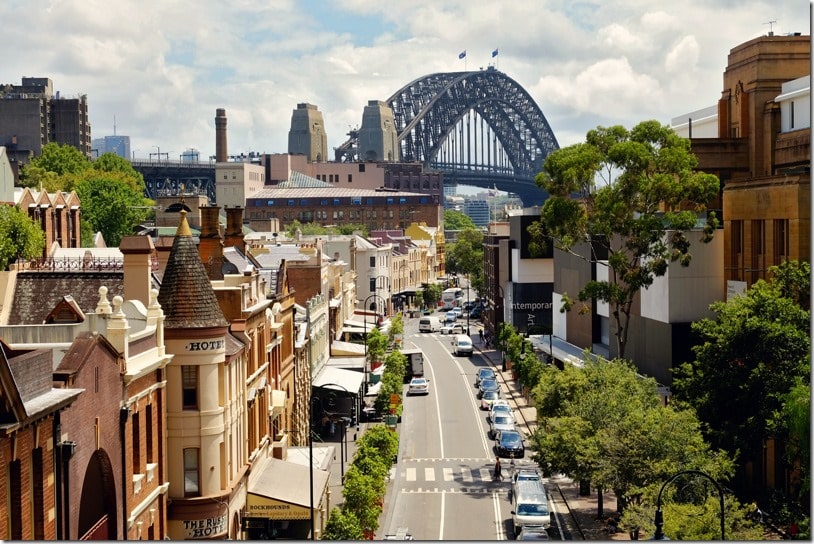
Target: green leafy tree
[343,525]
[455,220]
[377,344]
[22,237]
[383,441]
[59,159]
[396,328]
[111,205]
[362,498]
[638,193]
[431,295]
[746,360]
[465,256]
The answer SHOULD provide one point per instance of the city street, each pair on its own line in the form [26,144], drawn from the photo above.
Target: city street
[442,487]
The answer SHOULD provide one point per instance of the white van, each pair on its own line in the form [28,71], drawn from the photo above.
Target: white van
[429,323]
[530,505]
[462,345]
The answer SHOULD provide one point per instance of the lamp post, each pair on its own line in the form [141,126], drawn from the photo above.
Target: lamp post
[311,450]
[659,521]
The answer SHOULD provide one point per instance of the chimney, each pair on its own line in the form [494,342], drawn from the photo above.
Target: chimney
[234,228]
[210,245]
[138,252]
[221,153]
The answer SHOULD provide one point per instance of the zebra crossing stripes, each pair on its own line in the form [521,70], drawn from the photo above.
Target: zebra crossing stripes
[449,474]
[429,474]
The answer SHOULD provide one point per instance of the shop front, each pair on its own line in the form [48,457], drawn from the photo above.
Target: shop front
[279,500]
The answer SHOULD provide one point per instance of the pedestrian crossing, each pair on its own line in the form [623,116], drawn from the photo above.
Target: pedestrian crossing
[447,474]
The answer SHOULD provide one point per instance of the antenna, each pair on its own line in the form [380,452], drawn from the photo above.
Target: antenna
[771,27]
[114,125]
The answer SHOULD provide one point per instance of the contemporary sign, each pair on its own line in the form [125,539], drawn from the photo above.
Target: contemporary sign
[531,307]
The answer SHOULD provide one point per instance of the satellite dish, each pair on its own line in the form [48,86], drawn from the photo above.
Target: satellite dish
[177,207]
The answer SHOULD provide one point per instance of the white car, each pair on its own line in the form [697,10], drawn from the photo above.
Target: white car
[500,407]
[419,386]
[452,328]
[458,311]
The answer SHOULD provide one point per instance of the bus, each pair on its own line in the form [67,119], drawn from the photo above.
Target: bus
[452,297]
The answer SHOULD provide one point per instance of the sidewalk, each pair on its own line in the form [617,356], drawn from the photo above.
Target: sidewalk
[582,509]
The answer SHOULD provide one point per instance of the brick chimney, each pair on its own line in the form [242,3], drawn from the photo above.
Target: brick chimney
[234,228]
[221,152]
[210,247]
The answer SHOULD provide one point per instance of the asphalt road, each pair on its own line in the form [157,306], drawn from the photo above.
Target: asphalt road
[442,486]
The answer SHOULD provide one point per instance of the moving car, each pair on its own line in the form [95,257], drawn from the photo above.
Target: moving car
[530,506]
[523,475]
[510,444]
[488,398]
[484,374]
[452,328]
[419,386]
[458,311]
[499,424]
[450,317]
[475,313]
[429,323]
[487,385]
[462,345]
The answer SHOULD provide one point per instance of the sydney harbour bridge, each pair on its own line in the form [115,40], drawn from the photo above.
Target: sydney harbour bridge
[479,128]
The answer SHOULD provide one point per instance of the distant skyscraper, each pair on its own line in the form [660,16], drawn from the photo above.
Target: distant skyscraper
[120,145]
[477,210]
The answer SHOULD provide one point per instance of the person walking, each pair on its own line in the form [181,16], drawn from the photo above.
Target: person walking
[480,333]
[498,470]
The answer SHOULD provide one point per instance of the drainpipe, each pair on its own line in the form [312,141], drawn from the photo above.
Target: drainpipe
[124,415]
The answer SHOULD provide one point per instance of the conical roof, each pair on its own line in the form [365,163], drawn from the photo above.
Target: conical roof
[186,296]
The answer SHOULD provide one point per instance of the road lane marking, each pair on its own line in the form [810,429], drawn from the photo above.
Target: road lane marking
[466,475]
[410,474]
[429,474]
[448,475]
[485,474]
[501,535]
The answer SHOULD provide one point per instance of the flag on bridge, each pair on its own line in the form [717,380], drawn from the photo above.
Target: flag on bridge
[494,53]
[462,54]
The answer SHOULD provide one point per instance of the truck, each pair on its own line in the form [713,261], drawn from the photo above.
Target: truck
[415,363]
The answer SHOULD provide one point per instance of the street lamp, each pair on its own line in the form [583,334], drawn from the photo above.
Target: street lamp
[376,288]
[659,521]
[311,450]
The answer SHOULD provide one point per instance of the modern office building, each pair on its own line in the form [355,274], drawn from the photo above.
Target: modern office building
[119,145]
[32,115]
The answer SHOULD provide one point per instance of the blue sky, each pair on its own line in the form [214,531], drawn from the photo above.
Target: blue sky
[162,67]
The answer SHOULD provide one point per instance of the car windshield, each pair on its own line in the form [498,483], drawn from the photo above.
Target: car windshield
[418,381]
[490,395]
[503,420]
[464,342]
[532,510]
[528,476]
[510,438]
[486,373]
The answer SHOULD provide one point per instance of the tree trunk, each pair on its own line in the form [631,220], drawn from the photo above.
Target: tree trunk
[584,488]
[600,503]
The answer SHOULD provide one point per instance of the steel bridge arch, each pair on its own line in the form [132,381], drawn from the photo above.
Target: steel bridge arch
[427,109]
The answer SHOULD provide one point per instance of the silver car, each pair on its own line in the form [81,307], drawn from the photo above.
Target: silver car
[500,423]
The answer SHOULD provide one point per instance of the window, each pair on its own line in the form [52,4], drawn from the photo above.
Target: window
[791,113]
[269,203]
[189,393]
[192,475]
[323,202]
[389,199]
[369,201]
[303,202]
[423,200]
[350,178]
[781,240]
[402,200]
[356,200]
[373,262]
[361,167]
[336,202]
[292,202]
[372,285]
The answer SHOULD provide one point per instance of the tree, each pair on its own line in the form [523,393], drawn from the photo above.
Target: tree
[343,525]
[746,360]
[383,441]
[362,498]
[455,220]
[431,295]
[396,328]
[465,256]
[637,194]
[22,237]
[111,205]
[59,159]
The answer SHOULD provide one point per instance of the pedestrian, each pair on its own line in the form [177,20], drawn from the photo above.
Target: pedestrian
[480,333]
[498,470]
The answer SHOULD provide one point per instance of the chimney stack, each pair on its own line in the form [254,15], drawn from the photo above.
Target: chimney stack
[221,154]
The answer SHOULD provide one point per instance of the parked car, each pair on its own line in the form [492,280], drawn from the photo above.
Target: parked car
[452,328]
[475,313]
[487,385]
[484,374]
[510,444]
[500,408]
[499,424]
[419,386]
[450,317]
[488,398]
[429,323]
[533,532]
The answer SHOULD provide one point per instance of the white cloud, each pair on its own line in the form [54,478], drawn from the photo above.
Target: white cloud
[162,68]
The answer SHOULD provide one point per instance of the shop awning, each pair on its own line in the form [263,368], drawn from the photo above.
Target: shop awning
[339,348]
[356,364]
[348,379]
[281,490]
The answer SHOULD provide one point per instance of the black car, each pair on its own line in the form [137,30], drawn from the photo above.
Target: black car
[475,313]
[487,384]
[509,444]
[485,374]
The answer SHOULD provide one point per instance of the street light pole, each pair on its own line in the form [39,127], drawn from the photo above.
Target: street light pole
[364,316]
[659,521]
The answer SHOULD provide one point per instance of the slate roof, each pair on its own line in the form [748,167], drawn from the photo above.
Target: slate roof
[186,295]
[37,293]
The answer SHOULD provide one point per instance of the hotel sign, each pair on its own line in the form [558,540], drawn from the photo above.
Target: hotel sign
[263,507]
[205,528]
[206,345]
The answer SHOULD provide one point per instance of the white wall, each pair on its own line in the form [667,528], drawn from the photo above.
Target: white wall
[704,123]
[795,104]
